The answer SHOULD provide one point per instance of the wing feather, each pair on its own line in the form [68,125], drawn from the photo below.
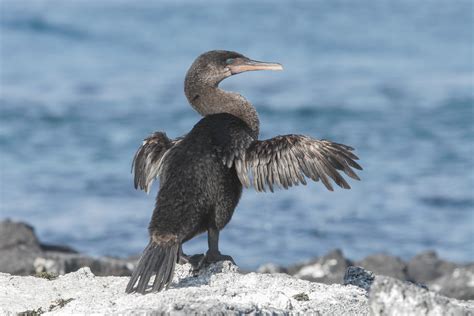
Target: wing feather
[285,161]
[146,162]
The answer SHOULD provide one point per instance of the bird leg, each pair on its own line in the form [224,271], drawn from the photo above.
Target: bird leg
[194,260]
[183,258]
[213,254]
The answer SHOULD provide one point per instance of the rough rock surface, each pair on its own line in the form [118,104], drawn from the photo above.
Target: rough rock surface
[388,296]
[21,253]
[426,269]
[219,289]
[359,277]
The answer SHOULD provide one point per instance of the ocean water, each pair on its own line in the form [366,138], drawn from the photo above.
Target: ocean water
[83,82]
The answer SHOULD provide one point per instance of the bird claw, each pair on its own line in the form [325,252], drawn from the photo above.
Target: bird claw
[211,257]
[195,261]
[192,260]
[183,259]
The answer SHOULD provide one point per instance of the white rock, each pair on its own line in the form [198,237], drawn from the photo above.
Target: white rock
[218,289]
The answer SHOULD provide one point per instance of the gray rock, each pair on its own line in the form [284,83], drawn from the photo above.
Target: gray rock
[359,277]
[21,253]
[17,235]
[17,261]
[457,284]
[383,264]
[426,267]
[328,269]
[388,296]
[18,248]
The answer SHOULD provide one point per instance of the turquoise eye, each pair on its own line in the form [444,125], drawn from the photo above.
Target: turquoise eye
[229,61]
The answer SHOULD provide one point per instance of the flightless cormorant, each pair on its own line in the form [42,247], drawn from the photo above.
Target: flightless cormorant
[202,173]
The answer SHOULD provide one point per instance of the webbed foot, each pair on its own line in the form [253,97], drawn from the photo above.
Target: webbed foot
[211,257]
[195,260]
[184,258]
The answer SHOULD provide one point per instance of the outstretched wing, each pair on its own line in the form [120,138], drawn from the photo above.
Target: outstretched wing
[147,159]
[286,160]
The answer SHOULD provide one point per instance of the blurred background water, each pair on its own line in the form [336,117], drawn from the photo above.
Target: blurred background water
[83,82]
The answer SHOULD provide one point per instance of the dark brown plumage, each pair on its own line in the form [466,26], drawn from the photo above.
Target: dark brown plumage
[286,160]
[202,174]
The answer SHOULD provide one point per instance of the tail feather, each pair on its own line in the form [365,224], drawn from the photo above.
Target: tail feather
[156,260]
[165,274]
[152,264]
[139,268]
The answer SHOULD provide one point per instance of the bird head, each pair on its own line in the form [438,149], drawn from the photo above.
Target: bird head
[214,66]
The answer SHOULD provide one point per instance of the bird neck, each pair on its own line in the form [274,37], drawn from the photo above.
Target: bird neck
[207,100]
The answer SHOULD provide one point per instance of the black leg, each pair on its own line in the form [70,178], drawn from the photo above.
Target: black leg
[182,258]
[213,254]
[194,260]
[213,240]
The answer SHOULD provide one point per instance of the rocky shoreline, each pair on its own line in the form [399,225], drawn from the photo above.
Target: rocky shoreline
[331,284]
[425,269]
[220,289]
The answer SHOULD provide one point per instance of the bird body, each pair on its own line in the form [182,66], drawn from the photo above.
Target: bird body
[207,191]
[202,173]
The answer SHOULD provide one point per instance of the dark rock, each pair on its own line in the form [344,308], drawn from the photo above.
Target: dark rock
[359,277]
[301,297]
[18,248]
[383,264]
[100,266]
[58,263]
[423,286]
[426,267]
[328,269]
[457,284]
[388,296]
[17,235]
[22,254]
[58,248]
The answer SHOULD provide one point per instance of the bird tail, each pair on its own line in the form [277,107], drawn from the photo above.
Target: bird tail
[158,260]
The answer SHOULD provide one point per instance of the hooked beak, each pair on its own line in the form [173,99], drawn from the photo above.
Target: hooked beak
[241,65]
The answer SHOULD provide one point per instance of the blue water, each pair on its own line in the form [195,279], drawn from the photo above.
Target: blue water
[83,82]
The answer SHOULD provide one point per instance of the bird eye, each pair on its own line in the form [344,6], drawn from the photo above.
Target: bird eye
[229,61]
